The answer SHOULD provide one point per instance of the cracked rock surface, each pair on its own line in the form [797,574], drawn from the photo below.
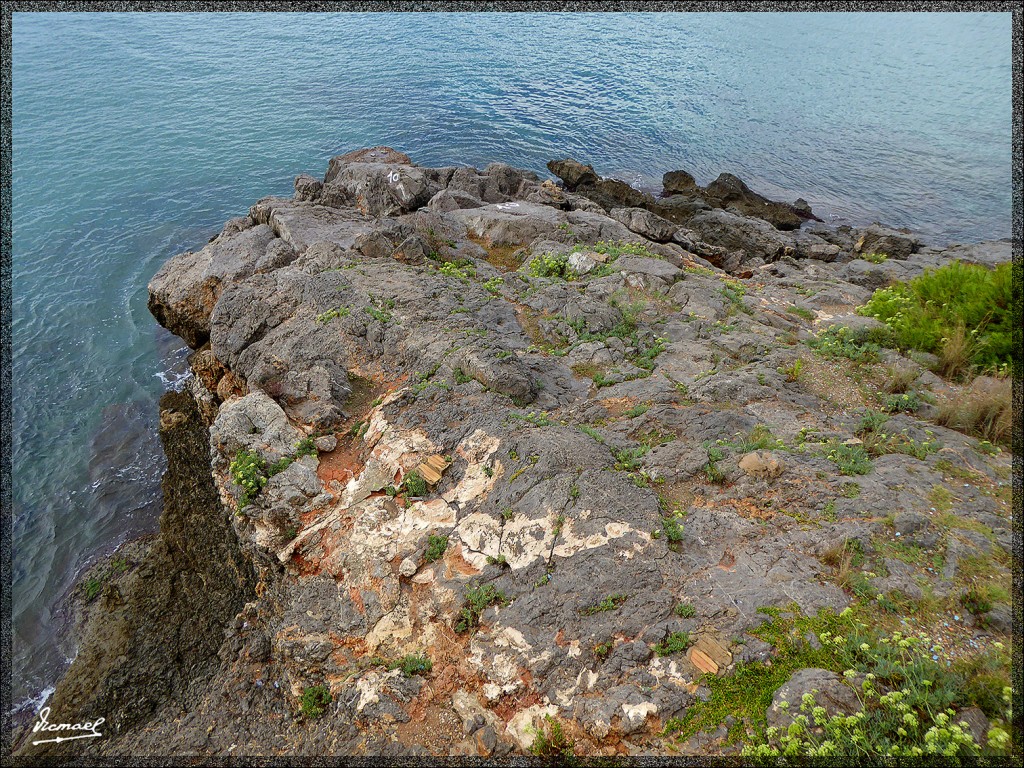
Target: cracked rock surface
[600,432]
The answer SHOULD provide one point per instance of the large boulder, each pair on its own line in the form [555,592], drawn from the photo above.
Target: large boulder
[893,243]
[754,237]
[183,293]
[645,223]
[728,191]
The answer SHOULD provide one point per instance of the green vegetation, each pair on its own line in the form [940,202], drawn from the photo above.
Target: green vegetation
[315,700]
[493,285]
[333,313]
[908,402]
[436,547]
[537,419]
[674,643]
[935,308]
[629,459]
[412,664]
[452,269]
[860,345]
[305,447]
[610,603]
[551,265]
[793,370]
[379,315]
[413,484]
[249,472]
[876,666]
[851,459]
[551,742]
[874,258]
[673,529]
[803,312]
[637,410]
[478,598]
[685,611]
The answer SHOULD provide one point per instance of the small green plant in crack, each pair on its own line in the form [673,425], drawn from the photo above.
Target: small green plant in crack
[249,472]
[305,447]
[537,419]
[451,269]
[803,312]
[333,313]
[315,700]
[637,410]
[551,742]
[610,603]
[793,370]
[870,422]
[685,611]
[461,377]
[551,265]
[976,602]
[629,459]
[507,514]
[478,599]
[93,586]
[850,459]
[379,315]
[412,664]
[414,484]
[908,402]
[499,560]
[436,547]
[493,286]
[574,492]
[674,643]
[874,258]
[673,529]
[601,650]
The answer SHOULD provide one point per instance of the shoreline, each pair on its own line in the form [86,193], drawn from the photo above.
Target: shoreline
[262,267]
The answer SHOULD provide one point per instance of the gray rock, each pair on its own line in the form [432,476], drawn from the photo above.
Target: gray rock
[184,291]
[326,443]
[891,242]
[645,223]
[829,690]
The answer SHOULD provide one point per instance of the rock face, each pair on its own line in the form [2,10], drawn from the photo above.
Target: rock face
[474,437]
[154,638]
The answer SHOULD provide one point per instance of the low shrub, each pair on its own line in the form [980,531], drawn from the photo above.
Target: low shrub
[965,307]
[315,700]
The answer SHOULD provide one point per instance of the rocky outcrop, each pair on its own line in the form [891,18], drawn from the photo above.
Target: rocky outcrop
[682,198]
[480,436]
[154,635]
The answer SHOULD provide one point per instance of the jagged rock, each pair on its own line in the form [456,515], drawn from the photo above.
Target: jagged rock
[184,291]
[573,173]
[645,223]
[891,242]
[307,188]
[679,183]
[753,237]
[730,191]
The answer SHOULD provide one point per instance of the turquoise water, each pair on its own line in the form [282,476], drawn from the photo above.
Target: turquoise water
[136,136]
